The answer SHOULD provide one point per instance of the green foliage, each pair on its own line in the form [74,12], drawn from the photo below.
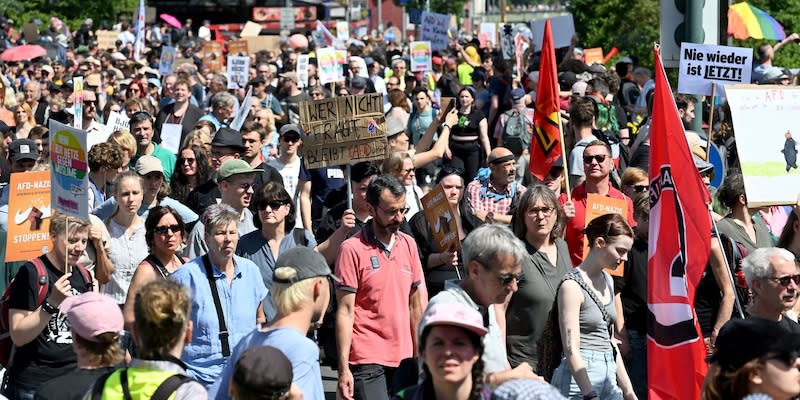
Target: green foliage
[449,7]
[629,25]
[787,13]
[72,12]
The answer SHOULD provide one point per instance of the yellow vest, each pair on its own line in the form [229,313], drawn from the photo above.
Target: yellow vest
[142,383]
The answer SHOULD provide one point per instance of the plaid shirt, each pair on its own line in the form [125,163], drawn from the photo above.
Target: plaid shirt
[497,201]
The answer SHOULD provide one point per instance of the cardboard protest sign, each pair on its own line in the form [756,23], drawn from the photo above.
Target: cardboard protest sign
[487,34]
[563,28]
[167,61]
[243,111]
[302,70]
[29,214]
[343,130]
[327,67]
[703,65]
[250,29]
[69,170]
[237,71]
[237,47]
[106,40]
[265,42]
[441,220]
[211,54]
[593,55]
[764,118]
[421,57]
[597,205]
[433,28]
[507,42]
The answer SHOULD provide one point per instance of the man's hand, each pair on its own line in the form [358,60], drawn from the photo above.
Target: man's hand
[348,220]
[569,209]
[346,384]
[95,234]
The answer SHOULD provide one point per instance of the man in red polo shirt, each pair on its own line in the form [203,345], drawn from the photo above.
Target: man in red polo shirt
[597,165]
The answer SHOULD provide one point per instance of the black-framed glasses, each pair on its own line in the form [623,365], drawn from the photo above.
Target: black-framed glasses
[786,357]
[408,170]
[786,280]
[600,158]
[164,229]
[545,211]
[395,211]
[274,205]
[639,188]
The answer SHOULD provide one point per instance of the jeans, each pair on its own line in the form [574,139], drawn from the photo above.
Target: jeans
[602,370]
[371,381]
[637,366]
[14,393]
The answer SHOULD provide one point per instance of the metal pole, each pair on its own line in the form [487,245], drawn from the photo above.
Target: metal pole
[379,3]
[695,34]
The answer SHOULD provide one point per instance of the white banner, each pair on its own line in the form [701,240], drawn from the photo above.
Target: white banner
[237,71]
[704,65]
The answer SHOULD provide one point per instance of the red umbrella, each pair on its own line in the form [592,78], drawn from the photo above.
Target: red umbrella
[24,52]
[172,21]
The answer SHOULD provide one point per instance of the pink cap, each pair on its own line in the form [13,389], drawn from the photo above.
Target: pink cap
[455,314]
[91,314]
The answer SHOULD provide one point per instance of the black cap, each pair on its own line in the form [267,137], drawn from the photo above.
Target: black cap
[4,129]
[257,80]
[264,370]
[292,128]
[227,137]
[742,340]
[358,82]
[307,264]
[23,149]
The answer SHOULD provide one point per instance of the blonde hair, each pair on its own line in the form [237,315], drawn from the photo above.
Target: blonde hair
[393,164]
[287,297]
[125,140]
[31,120]
[59,223]
[200,138]
[162,310]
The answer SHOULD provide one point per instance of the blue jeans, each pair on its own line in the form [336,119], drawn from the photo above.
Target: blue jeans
[637,366]
[602,370]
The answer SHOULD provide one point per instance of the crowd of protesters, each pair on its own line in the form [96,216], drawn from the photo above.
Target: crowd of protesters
[228,269]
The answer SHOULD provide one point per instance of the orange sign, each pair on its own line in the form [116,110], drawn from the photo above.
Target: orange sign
[237,47]
[28,216]
[597,205]
[593,55]
[441,219]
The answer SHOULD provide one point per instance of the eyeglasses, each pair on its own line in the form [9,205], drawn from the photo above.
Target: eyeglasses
[600,158]
[246,186]
[786,280]
[316,94]
[274,205]
[163,230]
[639,188]
[786,357]
[408,170]
[186,160]
[90,102]
[393,212]
[545,211]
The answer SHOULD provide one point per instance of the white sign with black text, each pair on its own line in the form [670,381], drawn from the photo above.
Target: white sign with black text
[704,65]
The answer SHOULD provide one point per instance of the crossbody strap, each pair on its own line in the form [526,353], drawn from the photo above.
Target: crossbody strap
[123,380]
[594,298]
[170,386]
[223,329]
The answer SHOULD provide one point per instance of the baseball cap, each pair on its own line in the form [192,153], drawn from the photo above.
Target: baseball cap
[4,129]
[306,262]
[264,370]
[235,167]
[526,389]
[49,70]
[701,165]
[292,128]
[93,80]
[117,56]
[91,314]
[23,149]
[453,314]
[257,80]
[290,75]
[227,137]
[517,94]
[358,82]
[148,164]
[155,82]
[742,340]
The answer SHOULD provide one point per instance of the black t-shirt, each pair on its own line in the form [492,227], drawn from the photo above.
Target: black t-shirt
[50,354]
[468,124]
[633,287]
[71,386]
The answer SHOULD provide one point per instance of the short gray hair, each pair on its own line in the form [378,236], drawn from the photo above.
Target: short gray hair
[758,264]
[222,99]
[219,214]
[488,241]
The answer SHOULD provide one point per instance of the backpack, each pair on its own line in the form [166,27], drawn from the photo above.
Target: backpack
[6,345]
[149,384]
[605,117]
[517,131]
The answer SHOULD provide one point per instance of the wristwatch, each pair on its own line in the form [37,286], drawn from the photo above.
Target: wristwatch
[49,308]
[591,395]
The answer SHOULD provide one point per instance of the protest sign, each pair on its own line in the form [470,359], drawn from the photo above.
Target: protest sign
[265,42]
[421,57]
[703,65]
[116,121]
[766,140]
[243,111]
[563,28]
[343,130]
[593,55]
[69,170]
[441,220]
[342,30]
[341,61]
[28,215]
[302,70]
[488,34]
[507,42]
[237,47]
[171,137]
[211,54]
[597,205]
[77,107]
[106,40]
[433,28]
[250,29]
[167,61]
[326,60]
[238,69]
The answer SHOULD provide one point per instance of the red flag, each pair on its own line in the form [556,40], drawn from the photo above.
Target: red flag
[546,138]
[679,244]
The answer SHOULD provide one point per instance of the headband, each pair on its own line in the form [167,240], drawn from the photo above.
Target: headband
[500,160]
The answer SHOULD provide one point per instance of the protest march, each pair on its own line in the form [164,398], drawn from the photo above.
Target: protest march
[456,210]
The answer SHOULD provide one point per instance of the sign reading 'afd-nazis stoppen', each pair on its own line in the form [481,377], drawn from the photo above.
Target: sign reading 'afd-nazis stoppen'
[343,130]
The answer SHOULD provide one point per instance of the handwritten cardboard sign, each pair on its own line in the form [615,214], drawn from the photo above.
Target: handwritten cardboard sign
[212,55]
[29,214]
[434,29]
[703,65]
[237,47]
[238,69]
[343,130]
[597,205]
[441,219]
[106,40]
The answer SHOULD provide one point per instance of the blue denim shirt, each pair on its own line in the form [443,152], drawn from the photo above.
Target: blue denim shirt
[240,302]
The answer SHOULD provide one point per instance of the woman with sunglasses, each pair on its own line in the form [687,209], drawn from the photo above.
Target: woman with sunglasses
[318,93]
[634,182]
[164,234]
[591,366]
[401,165]
[469,138]
[539,222]
[756,359]
[192,168]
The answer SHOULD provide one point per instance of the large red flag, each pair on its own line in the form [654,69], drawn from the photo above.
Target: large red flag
[546,139]
[680,241]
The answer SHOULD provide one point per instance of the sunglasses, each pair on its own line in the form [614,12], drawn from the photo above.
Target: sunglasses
[786,357]
[274,205]
[247,186]
[639,188]
[163,230]
[786,280]
[600,158]
[186,160]
[450,170]
[290,139]
[506,279]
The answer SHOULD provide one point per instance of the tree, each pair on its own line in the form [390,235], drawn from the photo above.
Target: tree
[72,12]
[787,13]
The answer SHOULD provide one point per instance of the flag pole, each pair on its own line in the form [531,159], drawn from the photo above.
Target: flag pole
[710,120]
[727,265]
[564,162]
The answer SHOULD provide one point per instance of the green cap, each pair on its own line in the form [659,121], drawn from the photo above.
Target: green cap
[235,167]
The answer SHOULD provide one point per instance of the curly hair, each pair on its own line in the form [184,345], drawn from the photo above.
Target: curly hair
[105,154]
